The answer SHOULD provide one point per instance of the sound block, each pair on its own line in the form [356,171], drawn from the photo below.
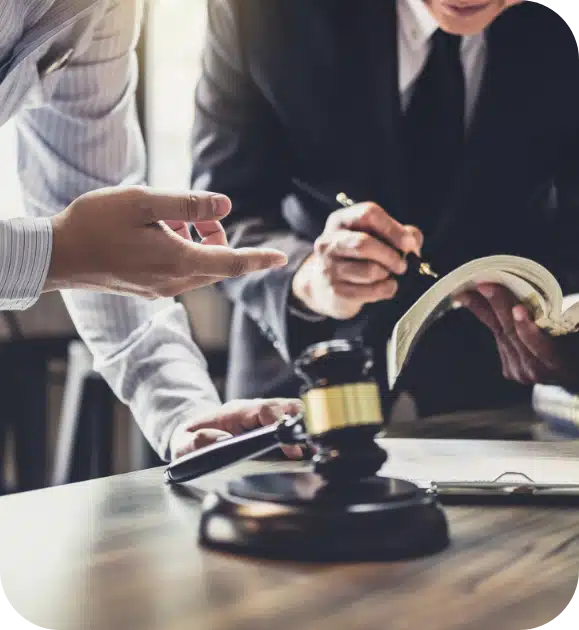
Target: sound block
[299,516]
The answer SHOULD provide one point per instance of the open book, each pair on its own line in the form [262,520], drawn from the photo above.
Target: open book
[530,282]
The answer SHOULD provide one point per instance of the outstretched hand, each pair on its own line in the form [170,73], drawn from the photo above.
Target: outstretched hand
[136,240]
[234,418]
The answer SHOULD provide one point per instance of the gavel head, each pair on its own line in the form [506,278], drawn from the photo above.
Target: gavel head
[343,412]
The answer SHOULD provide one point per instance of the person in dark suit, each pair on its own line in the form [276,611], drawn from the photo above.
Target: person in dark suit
[457,121]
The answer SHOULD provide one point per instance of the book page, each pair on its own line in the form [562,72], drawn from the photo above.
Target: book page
[571,310]
[532,284]
[439,298]
[424,461]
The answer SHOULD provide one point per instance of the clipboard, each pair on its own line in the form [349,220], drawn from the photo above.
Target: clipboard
[474,472]
[512,488]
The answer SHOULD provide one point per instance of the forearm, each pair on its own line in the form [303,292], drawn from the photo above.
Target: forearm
[145,352]
[25,251]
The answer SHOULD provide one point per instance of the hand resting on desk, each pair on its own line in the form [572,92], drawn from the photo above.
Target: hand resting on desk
[234,418]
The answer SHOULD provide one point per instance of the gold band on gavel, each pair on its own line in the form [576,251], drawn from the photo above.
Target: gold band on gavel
[341,406]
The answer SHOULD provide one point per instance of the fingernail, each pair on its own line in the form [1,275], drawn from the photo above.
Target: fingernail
[221,204]
[281,260]
[519,314]
[487,291]
[410,245]
[456,304]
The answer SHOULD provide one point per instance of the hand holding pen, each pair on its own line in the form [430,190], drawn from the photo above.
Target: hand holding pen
[412,258]
[356,260]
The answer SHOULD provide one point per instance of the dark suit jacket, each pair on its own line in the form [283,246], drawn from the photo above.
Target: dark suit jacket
[307,91]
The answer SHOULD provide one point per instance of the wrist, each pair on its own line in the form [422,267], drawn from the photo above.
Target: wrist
[301,297]
[62,270]
[176,441]
[298,309]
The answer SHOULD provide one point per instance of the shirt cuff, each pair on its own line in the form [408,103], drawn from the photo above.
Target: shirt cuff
[25,252]
[300,311]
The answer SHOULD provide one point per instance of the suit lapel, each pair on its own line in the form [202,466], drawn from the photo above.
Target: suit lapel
[374,72]
[369,87]
[489,138]
[388,170]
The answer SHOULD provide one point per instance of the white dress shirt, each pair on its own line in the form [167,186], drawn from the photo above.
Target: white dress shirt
[416,26]
[68,73]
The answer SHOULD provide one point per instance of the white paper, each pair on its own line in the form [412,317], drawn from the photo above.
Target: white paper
[425,461]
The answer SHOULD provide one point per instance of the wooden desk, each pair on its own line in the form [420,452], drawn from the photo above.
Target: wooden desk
[121,554]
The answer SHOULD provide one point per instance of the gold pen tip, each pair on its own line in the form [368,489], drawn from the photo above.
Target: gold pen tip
[426,270]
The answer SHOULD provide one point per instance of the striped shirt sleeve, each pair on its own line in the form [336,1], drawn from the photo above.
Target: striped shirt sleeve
[85,137]
[25,249]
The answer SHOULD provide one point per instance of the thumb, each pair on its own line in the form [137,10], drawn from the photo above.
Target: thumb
[188,206]
[222,262]
[414,239]
[189,442]
[205,437]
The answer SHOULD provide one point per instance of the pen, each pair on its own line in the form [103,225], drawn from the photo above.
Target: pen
[413,260]
[223,453]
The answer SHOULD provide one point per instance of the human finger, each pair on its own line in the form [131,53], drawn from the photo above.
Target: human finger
[502,301]
[223,262]
[151,205]
[181,228]
[354,271]
[537,342]
[372,218]
[211,233]
[365,294]
[361,246]
[190,441]
[417,237]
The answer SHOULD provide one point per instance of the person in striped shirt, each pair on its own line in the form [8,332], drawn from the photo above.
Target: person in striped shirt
[68,73]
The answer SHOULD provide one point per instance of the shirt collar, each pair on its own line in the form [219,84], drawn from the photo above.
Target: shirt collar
[417,22]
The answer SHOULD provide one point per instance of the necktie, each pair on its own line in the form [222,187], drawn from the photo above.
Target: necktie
[434,131]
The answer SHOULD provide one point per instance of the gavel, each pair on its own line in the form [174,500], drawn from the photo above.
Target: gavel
[340,509]
[341,419]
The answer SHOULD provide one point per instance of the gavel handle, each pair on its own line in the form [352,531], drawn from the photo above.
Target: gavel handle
[223,453]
